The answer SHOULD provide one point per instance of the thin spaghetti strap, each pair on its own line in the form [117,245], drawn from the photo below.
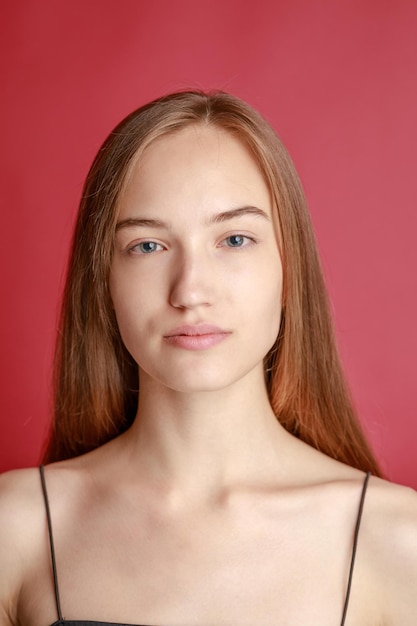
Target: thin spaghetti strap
[51,542]
[355,545]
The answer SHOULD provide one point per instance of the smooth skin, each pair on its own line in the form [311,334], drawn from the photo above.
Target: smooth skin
[206,512]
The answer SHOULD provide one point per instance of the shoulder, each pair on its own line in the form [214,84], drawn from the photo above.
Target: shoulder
[24,541]
[20,495]
[391,514]
[21,515]
[20,505]
[389,542]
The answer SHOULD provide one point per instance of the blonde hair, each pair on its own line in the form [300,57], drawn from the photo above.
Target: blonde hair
[96,378]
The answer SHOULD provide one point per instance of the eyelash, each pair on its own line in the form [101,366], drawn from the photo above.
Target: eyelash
[144,243]
[246,241]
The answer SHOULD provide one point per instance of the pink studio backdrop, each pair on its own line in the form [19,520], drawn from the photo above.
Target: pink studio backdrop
[338,80]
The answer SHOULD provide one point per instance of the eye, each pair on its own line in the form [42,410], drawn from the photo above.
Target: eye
[237,241]
[146,247]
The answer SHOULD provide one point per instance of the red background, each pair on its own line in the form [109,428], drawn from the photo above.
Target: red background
[338,80]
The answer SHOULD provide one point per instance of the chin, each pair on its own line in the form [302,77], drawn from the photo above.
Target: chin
[205,380]
[195,384]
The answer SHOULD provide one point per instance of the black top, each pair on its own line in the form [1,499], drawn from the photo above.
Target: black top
[63,622]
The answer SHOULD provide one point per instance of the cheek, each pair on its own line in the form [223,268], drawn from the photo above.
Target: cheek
[268,287]
[271,298]
[136,302]
[117,298]
[261,305]
[132,330]
[273,311]
[126,305]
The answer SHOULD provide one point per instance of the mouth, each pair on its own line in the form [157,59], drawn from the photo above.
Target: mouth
[196,336]
[195,330]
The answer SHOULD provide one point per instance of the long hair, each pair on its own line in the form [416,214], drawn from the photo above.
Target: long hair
[95,378]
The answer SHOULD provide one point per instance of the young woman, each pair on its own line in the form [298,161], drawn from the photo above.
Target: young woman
[205,466]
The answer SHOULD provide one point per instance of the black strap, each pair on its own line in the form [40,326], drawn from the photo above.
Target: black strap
[355,545]
[352,562]
[51,542]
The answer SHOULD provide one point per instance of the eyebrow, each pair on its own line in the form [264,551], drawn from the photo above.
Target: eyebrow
[131,222]
[218,218]
[240,212]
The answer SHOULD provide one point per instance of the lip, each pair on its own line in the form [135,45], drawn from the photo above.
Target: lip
[196,336]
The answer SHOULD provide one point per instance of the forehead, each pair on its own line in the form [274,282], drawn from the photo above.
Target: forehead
[215,142]
[199,164]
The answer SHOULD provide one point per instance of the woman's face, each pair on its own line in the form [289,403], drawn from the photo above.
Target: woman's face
[196,276]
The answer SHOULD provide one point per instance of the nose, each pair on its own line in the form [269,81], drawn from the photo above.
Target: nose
[192,281]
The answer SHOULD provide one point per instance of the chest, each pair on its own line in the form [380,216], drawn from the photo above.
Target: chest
[200,569]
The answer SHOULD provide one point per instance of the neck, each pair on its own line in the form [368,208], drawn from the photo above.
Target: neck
[208,441]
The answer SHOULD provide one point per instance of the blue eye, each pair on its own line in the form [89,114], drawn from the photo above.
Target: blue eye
[235,241]
[147,247]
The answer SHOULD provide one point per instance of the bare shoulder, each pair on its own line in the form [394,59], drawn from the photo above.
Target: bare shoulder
[391,512]
[20,506]
[20,519]
[24,542]
[389,542]
[20,496]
